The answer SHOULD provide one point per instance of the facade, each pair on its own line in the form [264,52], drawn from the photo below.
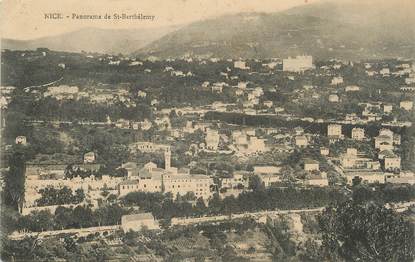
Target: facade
[324,151]
[352,88]
[152,179]
[212,139]
[386,140]
[88,185]
[334,98]
[266,169]
[234,181]
[240,65]
[391,163]
[148,147]
[366,177]
[334,130]
[301,141]
[89,157]
[352,160]
[311,165]
[319,180]
[358,133]
[401,178]
[387,109]
[21,140]
[337,80]
[182,184]
[406,105]
[137,222]
[268,104]
[269,179]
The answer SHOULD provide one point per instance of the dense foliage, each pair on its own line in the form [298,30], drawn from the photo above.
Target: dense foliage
[366,232]
[51,196]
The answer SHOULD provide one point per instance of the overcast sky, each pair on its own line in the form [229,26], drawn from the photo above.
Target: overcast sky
[24,19]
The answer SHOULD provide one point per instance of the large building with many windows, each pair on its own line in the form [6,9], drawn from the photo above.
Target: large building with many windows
[151,178]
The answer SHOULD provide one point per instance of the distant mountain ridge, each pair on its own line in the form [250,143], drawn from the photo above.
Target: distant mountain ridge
[111,41]
[343,29]
[347,29]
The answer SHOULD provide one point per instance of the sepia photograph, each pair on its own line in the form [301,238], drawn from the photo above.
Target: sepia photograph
[207,130]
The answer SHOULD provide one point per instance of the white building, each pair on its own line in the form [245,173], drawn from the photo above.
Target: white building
[137,222]
[178,184]
[269,179]
[148,147]
[234,181]
[385,140]
[62,91]
[212,139]
[141,94]
[391,162]
[352,88]
[311,165]
[150,178]
[89,157]
[338,80]
[407,105]
[358,133]
[385,72]
[266,170]
[297,64]
[268,103]
[240,65]
[402,178]
[301,141]
[334,130]
[366,177]
[387,109]
[319,180]
[21,140]
[242,85]
[333,98]
[324,151]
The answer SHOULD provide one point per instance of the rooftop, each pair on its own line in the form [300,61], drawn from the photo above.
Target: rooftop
[137,217]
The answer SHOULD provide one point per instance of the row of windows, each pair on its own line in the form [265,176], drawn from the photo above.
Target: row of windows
[136,187]
[187,185]
[187,180]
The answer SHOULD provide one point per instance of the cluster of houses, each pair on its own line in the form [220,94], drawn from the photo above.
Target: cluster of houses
[385,168]
[95,96]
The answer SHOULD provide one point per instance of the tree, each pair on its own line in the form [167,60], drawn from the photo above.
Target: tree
[83,216]
[356,181]
[215,204]
[62,196]
[63,217]
[200,207]
[36,221]
[79,196]
[288,175]
[15,181]
[366,232]
[256,184]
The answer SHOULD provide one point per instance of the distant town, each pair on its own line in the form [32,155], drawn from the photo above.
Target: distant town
[107,152]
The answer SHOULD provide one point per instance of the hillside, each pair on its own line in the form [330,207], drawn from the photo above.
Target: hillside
[343,29]
[92,40]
